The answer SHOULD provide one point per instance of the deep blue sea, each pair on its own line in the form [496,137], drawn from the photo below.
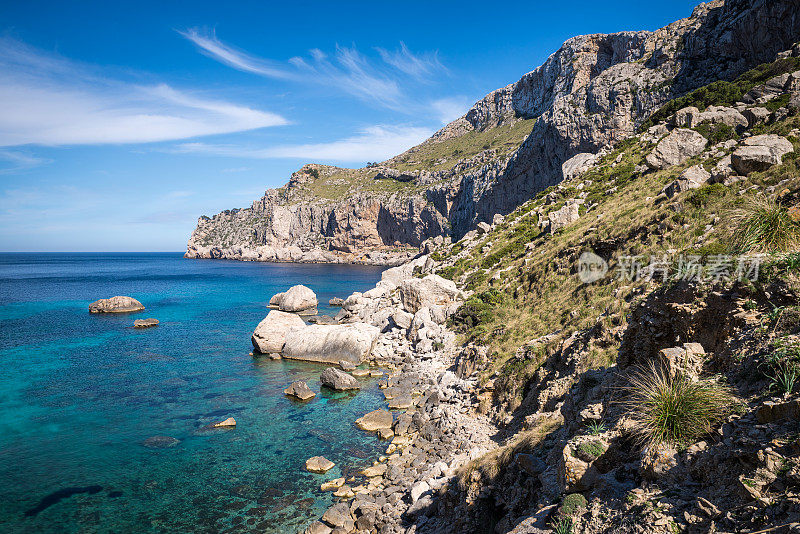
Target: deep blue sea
[79,394]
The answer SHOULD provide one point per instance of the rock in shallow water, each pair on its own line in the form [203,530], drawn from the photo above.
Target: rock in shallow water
[298,299]
[331,343]
[319,464]
[145,323]
[116,304]
[375,420]
[229,422]
[299,390]
[338,380]
[332,485]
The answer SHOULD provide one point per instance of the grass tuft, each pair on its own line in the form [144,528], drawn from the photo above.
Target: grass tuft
[562,526]
[764,225]
[784,376]
[596,428]
[675,411]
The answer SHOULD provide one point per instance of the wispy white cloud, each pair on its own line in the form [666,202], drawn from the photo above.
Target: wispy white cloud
[346,69]
[214,48]
[375,143]
[420,66]
[13,161]
[49,100]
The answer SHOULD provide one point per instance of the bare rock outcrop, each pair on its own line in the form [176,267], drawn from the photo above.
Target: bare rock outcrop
[680,145]
[760,152]
[117,304]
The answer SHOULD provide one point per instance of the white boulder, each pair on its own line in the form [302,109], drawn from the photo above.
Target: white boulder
[416,293]
[330,343]
[299,299]
[270,334]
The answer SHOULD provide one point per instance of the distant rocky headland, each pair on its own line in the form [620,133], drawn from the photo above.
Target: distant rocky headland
[594,91]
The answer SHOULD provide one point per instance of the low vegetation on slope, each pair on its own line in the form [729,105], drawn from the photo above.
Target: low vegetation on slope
[648,365]
[443,155]
[335,183]
[524,279]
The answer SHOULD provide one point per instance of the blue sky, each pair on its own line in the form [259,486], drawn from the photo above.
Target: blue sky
[122,122]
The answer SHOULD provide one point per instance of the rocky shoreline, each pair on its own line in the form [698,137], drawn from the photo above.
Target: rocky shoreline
[388,258]
[433,428]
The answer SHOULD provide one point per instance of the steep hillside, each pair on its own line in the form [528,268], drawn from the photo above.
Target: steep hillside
[555,356]
[633,333]
[595,90]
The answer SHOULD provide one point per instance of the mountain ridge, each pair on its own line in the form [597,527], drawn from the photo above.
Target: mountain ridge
[594,91]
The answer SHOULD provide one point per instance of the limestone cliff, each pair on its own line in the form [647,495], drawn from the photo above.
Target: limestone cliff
[595,90]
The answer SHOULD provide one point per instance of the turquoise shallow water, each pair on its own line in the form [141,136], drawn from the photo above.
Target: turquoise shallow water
[79,393]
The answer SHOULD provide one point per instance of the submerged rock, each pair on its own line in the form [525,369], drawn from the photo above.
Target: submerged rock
[338,380]
[319,464]
[331,343]
[270,334]
[145,323]
[116,305]
[299,390]
[160,442]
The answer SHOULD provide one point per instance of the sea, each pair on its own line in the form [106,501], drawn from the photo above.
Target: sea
[80,395]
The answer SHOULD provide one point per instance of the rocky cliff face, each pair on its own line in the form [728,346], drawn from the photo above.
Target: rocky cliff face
[595,90]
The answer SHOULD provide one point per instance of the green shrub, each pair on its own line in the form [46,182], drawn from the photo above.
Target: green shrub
[765,226]
[777,103]
[476,310]
[699,198]
[562,525]
[675,410]
[572,503]
[716,133]
[590,450]
[448,272]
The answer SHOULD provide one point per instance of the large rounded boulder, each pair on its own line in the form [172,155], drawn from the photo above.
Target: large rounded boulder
[417,293]
[298,299]
[116,305]
[270,334]
[331,343]
[677,147]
